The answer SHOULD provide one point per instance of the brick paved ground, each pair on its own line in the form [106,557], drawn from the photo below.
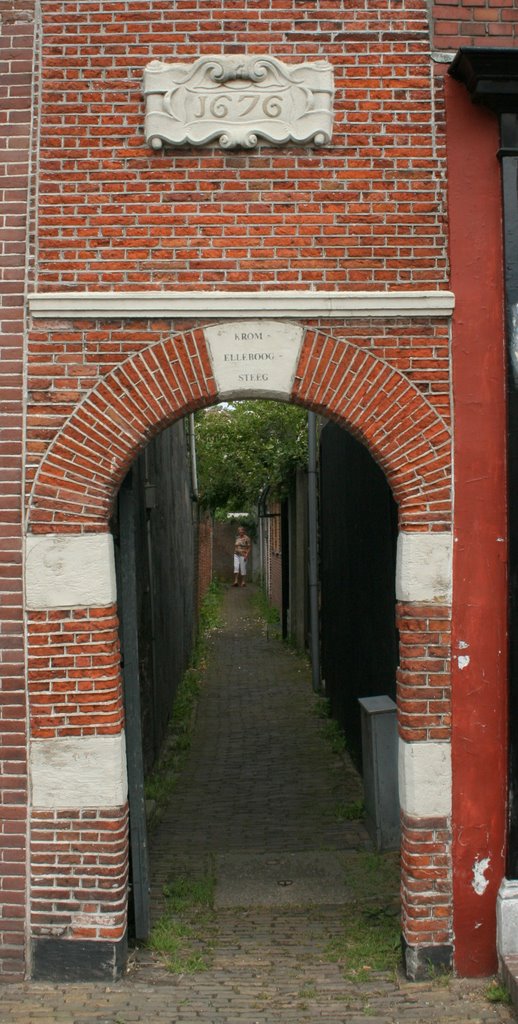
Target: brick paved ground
[263,787]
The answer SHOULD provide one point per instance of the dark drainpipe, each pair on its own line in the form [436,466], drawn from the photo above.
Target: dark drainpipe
[491,76]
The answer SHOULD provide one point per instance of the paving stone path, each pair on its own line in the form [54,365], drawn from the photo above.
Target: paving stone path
[259,805]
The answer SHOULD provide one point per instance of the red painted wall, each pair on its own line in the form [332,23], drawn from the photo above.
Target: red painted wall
[479,689]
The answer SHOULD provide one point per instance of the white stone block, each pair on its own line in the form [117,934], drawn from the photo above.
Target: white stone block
[237,99]
[507,918]
[78,772]
[69,571]
[425,778]
[424,567]
[254,358]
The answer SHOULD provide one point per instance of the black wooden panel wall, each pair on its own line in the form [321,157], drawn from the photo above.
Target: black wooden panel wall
[165,541]
[358,535]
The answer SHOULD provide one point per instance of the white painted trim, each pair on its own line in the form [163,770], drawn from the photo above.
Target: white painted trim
[507,918]
[424,567]
[69,571]
[78,772]
[425,779]
[112,305]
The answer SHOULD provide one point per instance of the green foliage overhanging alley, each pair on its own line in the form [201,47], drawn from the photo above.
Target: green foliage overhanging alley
[245,446]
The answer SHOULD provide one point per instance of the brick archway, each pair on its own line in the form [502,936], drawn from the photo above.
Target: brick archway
[80,474]
[76,719]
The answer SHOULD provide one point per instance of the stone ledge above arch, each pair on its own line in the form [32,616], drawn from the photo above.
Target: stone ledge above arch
[229,304]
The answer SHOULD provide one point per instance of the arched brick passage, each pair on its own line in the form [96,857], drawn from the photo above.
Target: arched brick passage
[75,711]
[390,416]
[76,483]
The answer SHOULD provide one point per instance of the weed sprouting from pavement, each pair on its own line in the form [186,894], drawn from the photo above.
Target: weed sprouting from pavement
[353,811]
[160,782]
[334,736]
[331,729]
[263,609]
[183,934]
[369,937]
[497,993]
[369,940]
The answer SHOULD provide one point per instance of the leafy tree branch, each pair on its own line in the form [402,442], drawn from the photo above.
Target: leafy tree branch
[245,446]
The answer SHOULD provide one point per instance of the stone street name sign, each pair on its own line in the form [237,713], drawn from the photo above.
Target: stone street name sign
[237,100]
[257,357]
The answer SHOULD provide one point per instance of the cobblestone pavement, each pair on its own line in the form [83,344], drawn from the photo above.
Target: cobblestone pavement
[261,788]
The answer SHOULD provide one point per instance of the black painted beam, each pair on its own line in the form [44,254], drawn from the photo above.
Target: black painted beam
[490,75]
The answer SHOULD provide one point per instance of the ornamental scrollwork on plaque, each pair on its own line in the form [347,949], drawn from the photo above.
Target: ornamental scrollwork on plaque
[238,100]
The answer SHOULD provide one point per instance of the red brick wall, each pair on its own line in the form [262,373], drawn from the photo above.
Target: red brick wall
[223,550]
[411,445]
[74,673]
[65,897]
[369,211]
[357,383]
[424,691]
[424,713]
[426,881]
[16,68]
[474,23]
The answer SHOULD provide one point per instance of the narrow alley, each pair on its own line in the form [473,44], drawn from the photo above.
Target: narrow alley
[266,821]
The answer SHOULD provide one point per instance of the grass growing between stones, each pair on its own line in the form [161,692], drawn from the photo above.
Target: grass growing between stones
[160,782]
[331,730]
[353,811]
[184,934]
[209,620]
[369,938]
[263,609]
[496,992]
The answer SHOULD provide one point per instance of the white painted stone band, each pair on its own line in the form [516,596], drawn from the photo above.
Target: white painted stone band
[69,571]
[78,772]
[424,567]
[424,771]
[238,304]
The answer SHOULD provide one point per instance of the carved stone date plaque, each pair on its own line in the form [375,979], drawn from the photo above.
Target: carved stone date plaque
[238,100]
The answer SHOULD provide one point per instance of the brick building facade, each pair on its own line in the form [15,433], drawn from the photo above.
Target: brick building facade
[373,263]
